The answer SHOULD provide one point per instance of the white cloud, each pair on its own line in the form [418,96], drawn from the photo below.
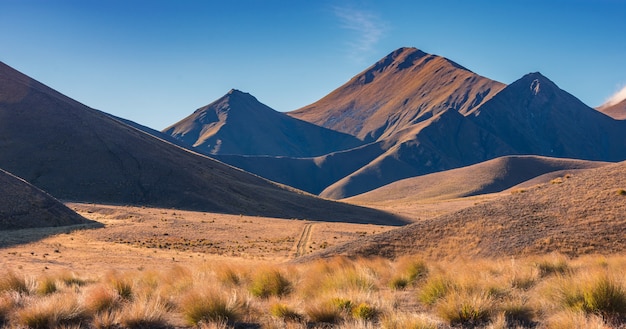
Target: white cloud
[617,97]
[368,27]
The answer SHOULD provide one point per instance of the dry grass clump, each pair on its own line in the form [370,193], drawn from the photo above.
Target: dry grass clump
[46,286]
[144,312]
[102,298]
[465,310]
[409,272]
[324,312]
[51,312]
[10,281]
[285,313]
[270,282]
[209,307]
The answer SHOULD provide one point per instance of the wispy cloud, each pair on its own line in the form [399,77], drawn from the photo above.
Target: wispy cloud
[368,26]
[617,97]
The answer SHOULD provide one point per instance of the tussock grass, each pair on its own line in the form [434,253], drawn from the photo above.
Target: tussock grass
[46,286]
[285,313]
[324,312]
[144,312]
[466,310]
[538,292]
[10,281]
[209,307]
[434,289]
[51,311]
[101,298]
[270,282]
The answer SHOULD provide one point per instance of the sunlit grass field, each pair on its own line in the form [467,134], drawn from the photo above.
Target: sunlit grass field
[544,292]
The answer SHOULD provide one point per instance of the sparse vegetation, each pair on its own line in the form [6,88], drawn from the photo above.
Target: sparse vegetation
[550,292]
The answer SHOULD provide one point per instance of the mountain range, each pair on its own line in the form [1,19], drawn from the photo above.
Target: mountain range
[76,153]
[418,113]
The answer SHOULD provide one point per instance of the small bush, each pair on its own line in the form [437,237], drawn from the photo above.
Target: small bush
[12,282]
[209,307]
[364,311]
[398,283]
[621,191]
[435,289]
[270,283]
[283,312]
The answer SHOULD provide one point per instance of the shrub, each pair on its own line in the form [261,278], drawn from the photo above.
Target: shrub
[284,313]
[209,307]
[398,283]
[270,283]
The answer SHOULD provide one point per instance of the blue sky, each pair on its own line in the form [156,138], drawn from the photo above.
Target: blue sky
[154,62]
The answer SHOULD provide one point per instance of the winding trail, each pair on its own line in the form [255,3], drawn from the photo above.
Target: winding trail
[305,239]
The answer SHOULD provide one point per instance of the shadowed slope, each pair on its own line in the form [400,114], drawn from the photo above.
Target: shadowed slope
[25,206]
[581,215]
[239,124]
[615,111]
[405,87]
[76,153]
[487,177]
[446,141]
[534,116]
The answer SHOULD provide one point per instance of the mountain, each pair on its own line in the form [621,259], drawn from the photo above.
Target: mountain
[534,116]
[403,88]
[445,141]
[423,114]
[77,153]
[583,214]
[238,123]
[486,177]
[616,111]
[25,206]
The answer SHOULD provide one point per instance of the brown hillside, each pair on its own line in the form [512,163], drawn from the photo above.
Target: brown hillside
[25,206]
[486,177]
[76,153]
[401,89]
[615,111]
[581,215]
[239,124]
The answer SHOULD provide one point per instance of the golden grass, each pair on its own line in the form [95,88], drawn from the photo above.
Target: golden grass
[543,292]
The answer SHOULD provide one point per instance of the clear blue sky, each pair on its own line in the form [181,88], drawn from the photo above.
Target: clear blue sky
[154,62]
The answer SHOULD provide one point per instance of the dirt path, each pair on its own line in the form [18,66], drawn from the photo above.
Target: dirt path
[305,239]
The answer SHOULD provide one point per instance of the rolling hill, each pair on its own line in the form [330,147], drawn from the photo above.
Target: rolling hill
[486,177]
[77,153]
[239,124]
[25,206]
[403,88]
[583,214]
